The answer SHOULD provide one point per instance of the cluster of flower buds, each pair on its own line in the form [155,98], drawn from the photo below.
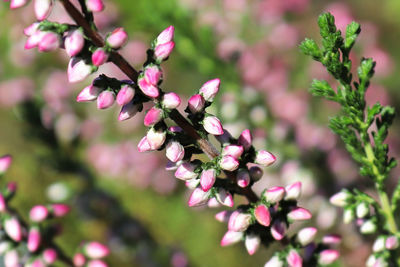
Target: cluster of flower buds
[36,239]
[382,250]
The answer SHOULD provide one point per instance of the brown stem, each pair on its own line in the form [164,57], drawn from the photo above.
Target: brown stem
[126,68]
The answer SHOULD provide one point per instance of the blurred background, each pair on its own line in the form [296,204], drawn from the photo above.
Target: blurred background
[72,153]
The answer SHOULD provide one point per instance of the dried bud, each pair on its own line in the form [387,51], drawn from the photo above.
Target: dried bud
[210,89]
[207,179]
[117,38]
[105,99]
[255,173]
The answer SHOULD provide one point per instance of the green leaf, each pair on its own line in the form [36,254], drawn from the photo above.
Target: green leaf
[310,48]
[326,23]
[322,88]
[352,32]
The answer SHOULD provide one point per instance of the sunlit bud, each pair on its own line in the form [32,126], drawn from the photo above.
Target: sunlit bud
[274,262]
[262,214]
[38,213]
[186,171]
[213,203]
[49,255]
[198,198]
[274,194]
[153,116]
[278,230]
[152,74]
[147,88]
[31,29]
[299,214]
[264,158]
[117,38]
[362,210]
[392,242]
[79,260]
[245,139]
[99,57]
[95,5]
[156,138]
[368,227]
[96,263]
[105,99]
[59,210]
[17,3]
[207,179]
[210,89]
[96,250]
[34,39]
[239,221]
[11,258]
[255,173]
[340,199]
[42,8]
[252,243]
[78,70]
[328,256]
[348,216]
[89,93]
[171,100]
[162,51]
[243,178]
[165,36]
[293,191]
[3,203]
[331,239]
[50,41]
[13,229]
[144,145]
[224,197]
[231,238]
[74,42]
[125,95]
[229,163]
[223,216]
[212,125]
[294,259]
[128,111]
[232,150]
[379,244]
[34,239]
[306,235]
[5,162]
[196,103]
[175,151]
[192,183]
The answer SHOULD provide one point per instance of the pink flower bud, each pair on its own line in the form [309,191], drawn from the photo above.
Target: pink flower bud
[34,239]
[117,38]
[245,139]
[171,100]
[163,51]
[239,221]
[392,242]
[274,262]
[50,255]
[278,230]
[5,162]
[50,41]
[274,194]
[186,171]
[293,191]
[125,95]
[38,213]
[192,183]
[42,8]
[232,150]
[255,173]
[96,263]
[262,215]
[34,39]
[252,243]
[331,239]
[175,151]
[153,116]
[96,250]
[99,57]
[264,158]
[306,235]
[95,5]
[229,163]
[198,198]
[17,3]
[299,214]
[31,29]
[294,259]
[128,111]
[78,70]
[207,179]
[231,238]
[339,199]
[59,210]
[13,228]
[328,256]
[210,89]
[105,99]
[223,216]
[3,203]
[11,258]
[196,103]
[243,178]
[79,260]
[213,203]
[175,129]
[212,125]
[74,42]
[156,138]
[152,74]
[165,36]
[89,93]
[144,145]
[225,198]
[148,89]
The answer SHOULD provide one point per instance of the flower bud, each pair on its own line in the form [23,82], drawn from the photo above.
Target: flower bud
[224,197]
[362,210]
[293,191]
[264,158]
[5,246]
[299,214]
[243,178]
[11,258]
[78,70]
[328,256]
[105,99]
[117,38]
[262,214]
[50,41]
[13,228]
[207,179]
[171,100]
[128,111]
[144,145]
[331,239]
[245,139]
[74,42]
[186,171]
[38,213]
[99,57]
[156,138]
[379,244]
[348,216]
[213,203]
[59,210]
[175,151]
[255,173]
[125,95]
[95,5]
[96,263]
[31,29]
[274,194]
[392,242]
[196,103]
[212,125]
[79,260]
[239,221]
[147,88]
[5,162]
[17,3]
[294,259]
[153,116]
[192,183]
[252,243]
[223,216]
[42,8]
[89,93]
[306,235]
[340,199]
[232,150]
[3,203]
[152,74]
[165,36]
[274,262]
[34,39]
[162,51]
[231,238]
[34,239]
[229,163]
[210,89]
[368,227]
[198,198]
[50,255]
[278,230]
[96,250]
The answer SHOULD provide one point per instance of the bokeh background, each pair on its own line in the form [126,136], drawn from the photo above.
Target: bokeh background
[69,152]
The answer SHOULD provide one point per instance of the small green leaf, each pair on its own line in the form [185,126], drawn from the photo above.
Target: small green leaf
[309,47]
[352,32]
